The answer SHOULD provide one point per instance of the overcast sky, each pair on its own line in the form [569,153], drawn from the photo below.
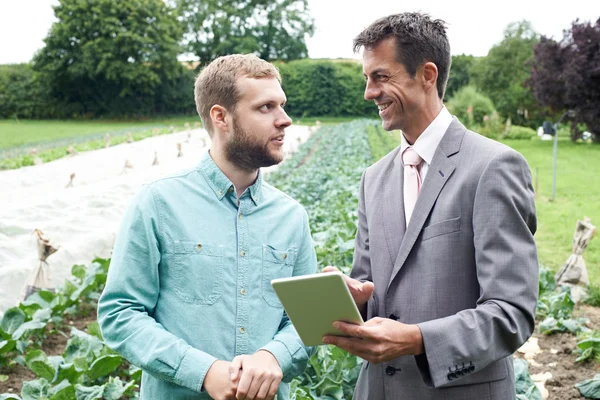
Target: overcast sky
[473,26]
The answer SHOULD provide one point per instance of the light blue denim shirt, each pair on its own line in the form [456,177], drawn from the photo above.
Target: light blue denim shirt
[189,280]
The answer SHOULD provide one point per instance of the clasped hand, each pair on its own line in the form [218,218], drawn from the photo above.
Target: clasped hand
[246,377]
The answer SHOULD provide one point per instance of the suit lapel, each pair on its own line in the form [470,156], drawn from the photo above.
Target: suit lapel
[439,172]
[393,206]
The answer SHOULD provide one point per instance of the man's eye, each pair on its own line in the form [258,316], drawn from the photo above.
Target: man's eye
[266,107]
[382,78]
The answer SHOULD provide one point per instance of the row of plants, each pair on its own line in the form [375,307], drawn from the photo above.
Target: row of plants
[87,369]
[556,306]
[324,177]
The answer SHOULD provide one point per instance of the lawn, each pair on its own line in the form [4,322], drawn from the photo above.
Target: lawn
[577,196]
[19,133]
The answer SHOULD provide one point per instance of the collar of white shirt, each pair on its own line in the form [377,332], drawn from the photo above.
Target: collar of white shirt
[427,143]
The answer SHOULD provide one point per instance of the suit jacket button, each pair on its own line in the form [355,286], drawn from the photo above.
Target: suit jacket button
[451,376]
[393,316]
[459,372]
[471,368]
[390,370]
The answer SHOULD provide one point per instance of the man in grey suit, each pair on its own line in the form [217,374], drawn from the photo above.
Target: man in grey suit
[445,266]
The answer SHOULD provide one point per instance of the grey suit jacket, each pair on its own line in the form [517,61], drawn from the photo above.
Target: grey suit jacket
[465,269]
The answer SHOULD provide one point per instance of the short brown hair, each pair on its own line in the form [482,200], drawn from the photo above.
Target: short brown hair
[216,84]
[419,39]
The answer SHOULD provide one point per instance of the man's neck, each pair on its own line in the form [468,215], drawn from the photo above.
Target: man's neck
[426,118]
[241,179]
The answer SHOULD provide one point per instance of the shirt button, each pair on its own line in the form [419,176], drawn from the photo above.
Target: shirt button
[242,330]
[220,193]
[243,292]
[241,216]
[284,256]
[242,253]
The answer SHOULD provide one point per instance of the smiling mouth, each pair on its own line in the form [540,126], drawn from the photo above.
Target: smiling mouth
[383,107]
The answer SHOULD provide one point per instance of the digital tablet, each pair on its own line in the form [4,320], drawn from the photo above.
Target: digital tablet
[313,302]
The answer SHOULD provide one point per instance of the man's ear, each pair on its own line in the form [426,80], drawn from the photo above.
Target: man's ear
[430,75]
[218,117]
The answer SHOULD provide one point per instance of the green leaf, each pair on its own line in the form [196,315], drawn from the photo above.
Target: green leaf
[89,392]
[135,373]
[81,345]
[115,388]
[587,353]
[69,372]
[94,330]
[39,363]
[63,391]
[104,366]
[590,388]
[69,288]
[42,315]
[7,345]
[28,326]
[35,390]
[3,378]
[12,319]
[7,396]
[78,271]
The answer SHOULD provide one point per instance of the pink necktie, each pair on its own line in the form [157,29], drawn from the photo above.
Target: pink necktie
[412,180]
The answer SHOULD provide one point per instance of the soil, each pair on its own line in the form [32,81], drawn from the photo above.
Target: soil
[565,371]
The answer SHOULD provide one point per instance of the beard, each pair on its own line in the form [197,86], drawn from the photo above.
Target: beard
[248,153]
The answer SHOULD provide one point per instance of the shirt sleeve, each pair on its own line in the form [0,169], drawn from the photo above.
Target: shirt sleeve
[127,303]
[286,346]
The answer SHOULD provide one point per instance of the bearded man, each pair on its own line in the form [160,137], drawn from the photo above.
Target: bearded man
[188,295]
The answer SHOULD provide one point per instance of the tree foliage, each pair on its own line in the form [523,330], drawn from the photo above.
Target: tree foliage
[272,29]
[566,75]
[502,73]
[107,57]
[460,74]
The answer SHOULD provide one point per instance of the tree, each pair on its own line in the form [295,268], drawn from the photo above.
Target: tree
[502,73]
[272,29]
[460,74]
[107,57]
[566,76]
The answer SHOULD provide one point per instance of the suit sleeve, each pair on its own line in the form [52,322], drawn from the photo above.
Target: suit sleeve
[361,268]
[504,222]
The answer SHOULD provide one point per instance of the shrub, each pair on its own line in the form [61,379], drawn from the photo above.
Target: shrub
[520,132]
[471,107]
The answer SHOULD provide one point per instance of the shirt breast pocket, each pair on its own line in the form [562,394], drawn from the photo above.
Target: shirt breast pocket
[276,263]
[198,272]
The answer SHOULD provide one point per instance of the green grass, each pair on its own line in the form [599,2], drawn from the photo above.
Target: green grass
[577,196]
[15,133]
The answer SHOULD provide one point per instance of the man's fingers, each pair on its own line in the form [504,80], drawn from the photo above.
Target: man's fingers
[263,391]
[354,346]
[353,330]
[273,389]
[255,385]
[244,385]
[329,268]
[234,367]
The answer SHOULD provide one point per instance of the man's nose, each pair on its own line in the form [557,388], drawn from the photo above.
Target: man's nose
[371,91]
[284,120]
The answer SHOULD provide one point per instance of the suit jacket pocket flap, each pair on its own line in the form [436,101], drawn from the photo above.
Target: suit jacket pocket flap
[441,228]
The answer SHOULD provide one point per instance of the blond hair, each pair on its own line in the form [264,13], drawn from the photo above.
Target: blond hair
[216,84]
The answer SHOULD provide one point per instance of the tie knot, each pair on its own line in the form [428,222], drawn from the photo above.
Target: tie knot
[410,157]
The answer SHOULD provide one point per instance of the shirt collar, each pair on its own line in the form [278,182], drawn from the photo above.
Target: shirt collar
[428,141]
[219,182]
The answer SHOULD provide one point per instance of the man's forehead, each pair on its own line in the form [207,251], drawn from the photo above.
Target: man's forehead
[260,88]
